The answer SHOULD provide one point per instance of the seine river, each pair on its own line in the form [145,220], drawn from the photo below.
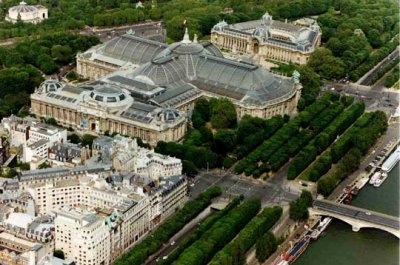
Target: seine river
[342,246]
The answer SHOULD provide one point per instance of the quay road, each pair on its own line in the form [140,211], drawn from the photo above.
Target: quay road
[358,213]
[366,79]
[390,136]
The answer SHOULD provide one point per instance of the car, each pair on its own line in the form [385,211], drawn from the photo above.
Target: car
[192,185]
[368,213]
[172,243]
[165,257]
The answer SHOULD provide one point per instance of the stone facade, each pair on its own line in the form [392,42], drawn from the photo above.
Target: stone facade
[268,39]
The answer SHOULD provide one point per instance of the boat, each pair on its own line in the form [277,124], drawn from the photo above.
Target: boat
[359,185]
[380,180]
[297,249]
[375,177]
[391,161]
[320,228]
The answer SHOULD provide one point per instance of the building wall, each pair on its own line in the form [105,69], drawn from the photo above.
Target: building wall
[84,244]
[239,43]
[73,118]
[93,69]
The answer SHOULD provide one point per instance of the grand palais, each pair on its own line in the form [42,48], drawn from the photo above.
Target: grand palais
[147,89]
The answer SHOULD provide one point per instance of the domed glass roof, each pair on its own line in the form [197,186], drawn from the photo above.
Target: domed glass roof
[108,94]
[50,85]
[168,115]
[23,8]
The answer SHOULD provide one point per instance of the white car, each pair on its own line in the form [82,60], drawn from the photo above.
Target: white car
[172,243]
[165,257]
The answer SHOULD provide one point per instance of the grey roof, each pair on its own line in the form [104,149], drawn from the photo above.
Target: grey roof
[131,82]
[192,63]
[133,49]
[23,8]
[139,112]
[174,96]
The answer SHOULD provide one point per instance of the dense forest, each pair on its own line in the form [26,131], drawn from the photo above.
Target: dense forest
[23,65]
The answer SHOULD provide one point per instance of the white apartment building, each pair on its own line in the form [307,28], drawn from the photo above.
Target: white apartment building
[48,132]
[38,149]
[83,236]
[126,156]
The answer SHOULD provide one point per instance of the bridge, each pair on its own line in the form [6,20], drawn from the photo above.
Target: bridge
[357,217]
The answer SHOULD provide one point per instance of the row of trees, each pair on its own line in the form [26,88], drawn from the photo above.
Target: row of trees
[140,252]
[250,164]
[247,237]
[220,234]
[382,71]
[324,139]
[393,77]
[200,230]
[360,143]
[202,148]
[298,141]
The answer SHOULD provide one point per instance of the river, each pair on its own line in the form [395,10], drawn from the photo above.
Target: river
[342,246]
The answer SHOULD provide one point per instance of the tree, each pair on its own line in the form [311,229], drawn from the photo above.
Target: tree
[202,107]
[58,253]
[74,138]
[44,165]
[223,113]
[189,168]
[224,141]
[298,210]
[306,197]
[87,140]
[61,53]
[265,246]
[24,166]
[238,254]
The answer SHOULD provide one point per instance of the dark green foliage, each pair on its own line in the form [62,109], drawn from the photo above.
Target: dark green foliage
[87,140]
[281,136]
[265,246]
[151,244]
[74,138]
[201,229]
[23,63]
[247,237]
[228,162]
[324,139]
[348,51]
[24,166]
[238,254]
[223,113]
[51,121]
[224,141]
[202,107]
[220,233]
[382,71]
[58,253]
[392,78]
[189,168]
[44,165]
[370,126]
[299,208]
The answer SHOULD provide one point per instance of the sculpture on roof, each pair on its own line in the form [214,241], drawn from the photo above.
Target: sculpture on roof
[296,76]
[186,38]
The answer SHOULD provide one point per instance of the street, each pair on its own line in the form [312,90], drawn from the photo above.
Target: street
[272,192]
